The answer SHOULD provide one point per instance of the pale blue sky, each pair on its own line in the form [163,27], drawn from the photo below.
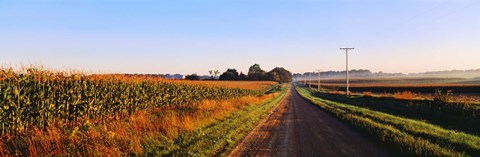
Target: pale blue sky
[180,36]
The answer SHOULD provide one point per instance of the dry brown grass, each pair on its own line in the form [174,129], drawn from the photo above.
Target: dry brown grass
[367,94]
[253,85]
[460,98]
[122,137]
[337,92]
[405,95]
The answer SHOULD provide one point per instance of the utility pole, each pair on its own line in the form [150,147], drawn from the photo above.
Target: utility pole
[346,63]
[318,85]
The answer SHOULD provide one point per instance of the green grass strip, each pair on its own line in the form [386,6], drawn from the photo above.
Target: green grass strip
[218,138]
[412,136]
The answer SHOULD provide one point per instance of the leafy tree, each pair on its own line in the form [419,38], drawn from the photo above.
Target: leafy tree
[256,73]
[280,75]
[243,76]
[192,77]
[230,74]
[274,75]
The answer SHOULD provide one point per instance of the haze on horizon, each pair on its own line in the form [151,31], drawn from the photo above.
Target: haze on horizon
[196,36]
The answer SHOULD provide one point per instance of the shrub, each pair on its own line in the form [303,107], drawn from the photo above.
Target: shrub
[441,97]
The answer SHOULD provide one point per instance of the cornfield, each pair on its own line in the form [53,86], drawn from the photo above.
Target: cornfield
[41,98]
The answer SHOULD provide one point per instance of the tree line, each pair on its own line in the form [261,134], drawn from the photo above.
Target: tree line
[255,73]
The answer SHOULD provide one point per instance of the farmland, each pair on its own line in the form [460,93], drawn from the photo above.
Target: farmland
[48,113]
[422,88]
[411,133]
[257,85]
[242,78]
[415,116]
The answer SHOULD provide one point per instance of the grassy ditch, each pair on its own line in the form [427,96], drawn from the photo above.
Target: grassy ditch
[217,138]
[414,137]
[457,116]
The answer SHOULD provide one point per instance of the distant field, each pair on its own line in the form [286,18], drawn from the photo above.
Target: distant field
[401,80]
[416,85]
[252,85]
[416,88]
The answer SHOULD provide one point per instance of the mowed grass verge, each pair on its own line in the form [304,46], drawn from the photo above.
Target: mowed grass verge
[413,137]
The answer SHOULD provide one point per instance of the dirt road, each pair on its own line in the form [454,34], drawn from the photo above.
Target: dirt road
[298,128]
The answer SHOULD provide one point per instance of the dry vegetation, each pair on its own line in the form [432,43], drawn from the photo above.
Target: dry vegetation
[396,80]
[123,137]
[47,113]
[467,93]
[411,127]
[405,95]
[252,85]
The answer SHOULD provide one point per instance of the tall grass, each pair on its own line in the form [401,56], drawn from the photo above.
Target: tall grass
[405,95]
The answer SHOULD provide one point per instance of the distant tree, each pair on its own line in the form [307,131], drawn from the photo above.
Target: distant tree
[211,73]
[274,75]
[256,73]
[216,73]
[280,75]
[230,74]
[192,77]
[242,76]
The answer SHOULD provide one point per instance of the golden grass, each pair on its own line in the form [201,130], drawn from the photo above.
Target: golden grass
[367,94]
[337,92]
[253,85]
[405,95]
[122,137]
